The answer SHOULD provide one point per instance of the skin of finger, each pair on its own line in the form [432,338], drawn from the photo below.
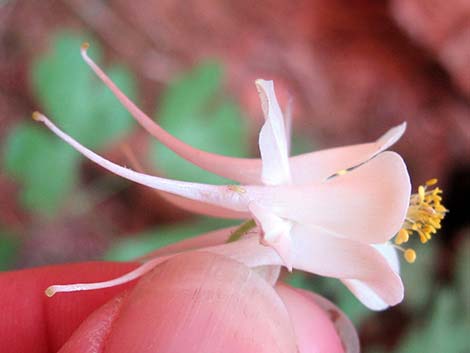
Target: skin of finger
[197,302]
[92,334]
[32,322]
[314,329]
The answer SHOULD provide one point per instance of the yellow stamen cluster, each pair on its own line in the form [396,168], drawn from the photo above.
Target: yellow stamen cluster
[423,218]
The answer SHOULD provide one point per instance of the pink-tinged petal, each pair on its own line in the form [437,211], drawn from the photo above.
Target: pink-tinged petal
[247,251]
[363,292]
[319,252]
[223,196]
[389,252]
[243,170]
[272,139]
[289,121]
[344,326]
[128,277]
[317,166]
[203,208]
[367,204]
[199,303]
[275,232]
[216,237]
[314,329]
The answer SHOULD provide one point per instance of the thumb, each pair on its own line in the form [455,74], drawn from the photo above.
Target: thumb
[196,303]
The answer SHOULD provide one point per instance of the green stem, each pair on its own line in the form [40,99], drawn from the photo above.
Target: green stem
[242,230]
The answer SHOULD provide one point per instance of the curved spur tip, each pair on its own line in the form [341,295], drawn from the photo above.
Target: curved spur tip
[49,291]
[85,46]
[37,116]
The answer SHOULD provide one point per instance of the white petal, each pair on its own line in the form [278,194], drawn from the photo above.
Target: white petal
[276,232]
[389,252]
[363,292]
[317,166]
[202,208]
[272,139]
[368,204]
[326,255]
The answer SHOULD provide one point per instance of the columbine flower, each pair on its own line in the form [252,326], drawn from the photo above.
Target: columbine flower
[329,212]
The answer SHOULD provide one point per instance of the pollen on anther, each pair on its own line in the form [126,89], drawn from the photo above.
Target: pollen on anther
[425,214]
[431,182]
[402,237]
[410,255]
[85,45]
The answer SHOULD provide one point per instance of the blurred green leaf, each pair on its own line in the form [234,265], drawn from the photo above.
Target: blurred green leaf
[444,331]
[74,98]
[301,143]
[80,104]
[195,110]
[9,245]
[138,245]
[462,273]
[418,278]
[45,166]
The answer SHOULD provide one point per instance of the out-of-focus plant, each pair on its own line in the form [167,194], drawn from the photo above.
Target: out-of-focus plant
[9,244]
[64,87]
[138,245]
[195,109]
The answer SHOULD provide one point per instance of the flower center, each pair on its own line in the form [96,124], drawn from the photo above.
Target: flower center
[423,218]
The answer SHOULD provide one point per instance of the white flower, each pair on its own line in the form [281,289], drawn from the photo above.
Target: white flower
[329,212]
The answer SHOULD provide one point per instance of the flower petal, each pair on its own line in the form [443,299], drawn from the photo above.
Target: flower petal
[247,251]
[321,253]
[272,139]
[275,232]
[200,302]
[202,208]
[314,329]
[367,204]
[389,252]
[363,292]
[243,170]
[218,195]
[319,165]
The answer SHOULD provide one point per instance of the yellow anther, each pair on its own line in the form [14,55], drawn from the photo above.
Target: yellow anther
[421,193]
[402,237]
[431,182]
[424,216]
[342,172]
[85,45]
[410,255]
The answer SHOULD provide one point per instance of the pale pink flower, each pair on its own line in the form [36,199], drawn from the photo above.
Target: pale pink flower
[330,212]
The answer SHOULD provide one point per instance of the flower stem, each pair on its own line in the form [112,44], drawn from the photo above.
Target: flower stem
[242,230]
